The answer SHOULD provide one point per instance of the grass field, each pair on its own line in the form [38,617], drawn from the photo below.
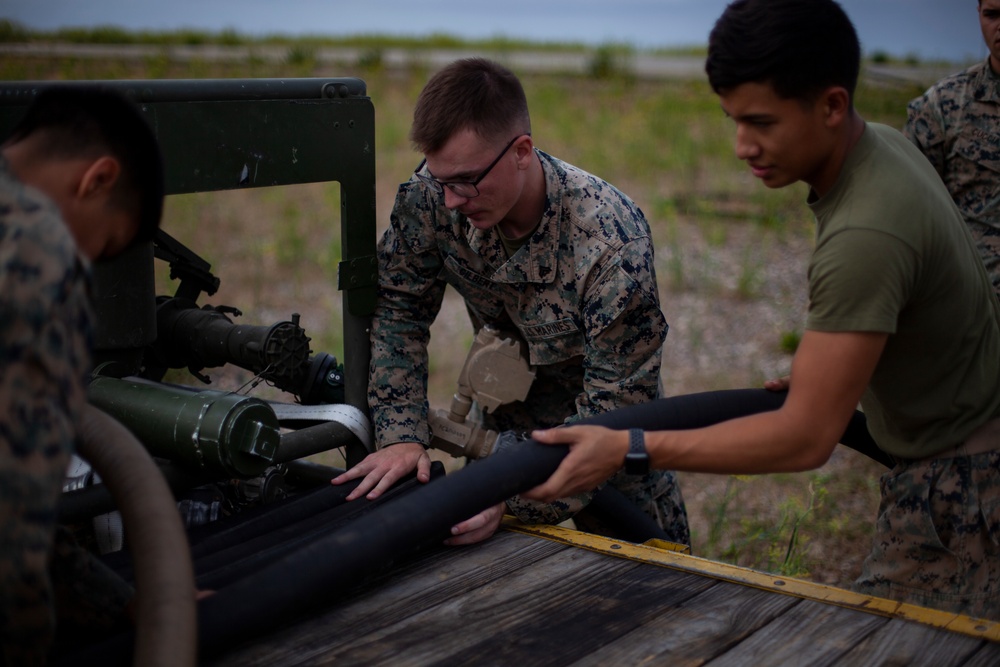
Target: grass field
[730,263]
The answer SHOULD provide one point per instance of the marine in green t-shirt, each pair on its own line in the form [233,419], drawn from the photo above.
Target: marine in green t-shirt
[892,256]
[902,319]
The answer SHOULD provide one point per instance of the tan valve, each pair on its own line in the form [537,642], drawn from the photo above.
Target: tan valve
[496,372]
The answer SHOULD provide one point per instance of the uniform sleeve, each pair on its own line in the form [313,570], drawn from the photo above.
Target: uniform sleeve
[44,347]
[925,127]
[410,293]
[625,330]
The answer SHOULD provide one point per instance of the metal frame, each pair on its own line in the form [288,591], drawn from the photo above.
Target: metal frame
[225,134]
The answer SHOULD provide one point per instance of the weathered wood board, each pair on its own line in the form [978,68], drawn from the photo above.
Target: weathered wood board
[520,599]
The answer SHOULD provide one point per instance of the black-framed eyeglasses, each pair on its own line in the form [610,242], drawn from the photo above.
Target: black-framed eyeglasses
[464,189]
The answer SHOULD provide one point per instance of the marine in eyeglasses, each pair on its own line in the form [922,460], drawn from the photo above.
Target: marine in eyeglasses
[547,253]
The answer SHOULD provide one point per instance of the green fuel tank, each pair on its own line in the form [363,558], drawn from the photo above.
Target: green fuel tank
[209,431]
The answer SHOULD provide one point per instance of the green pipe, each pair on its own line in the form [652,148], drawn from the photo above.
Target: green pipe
[210,431]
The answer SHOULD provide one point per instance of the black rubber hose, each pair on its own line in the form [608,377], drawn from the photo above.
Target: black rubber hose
[220,568]
[165,592]
[308,577]
[304,473]
[320,572]
[623,519]
[711,407]
[242,530]
[302,509]
[619,518]
[86,503]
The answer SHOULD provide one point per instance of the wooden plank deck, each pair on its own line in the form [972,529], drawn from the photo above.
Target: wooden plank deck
[550,596]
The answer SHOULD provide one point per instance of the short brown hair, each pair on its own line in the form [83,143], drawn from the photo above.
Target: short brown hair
[472,93]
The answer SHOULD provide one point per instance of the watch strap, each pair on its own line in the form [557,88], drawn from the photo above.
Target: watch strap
[637,458]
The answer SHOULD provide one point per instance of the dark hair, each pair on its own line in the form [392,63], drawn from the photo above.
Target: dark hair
[91,120]
[471,93]
[800,47]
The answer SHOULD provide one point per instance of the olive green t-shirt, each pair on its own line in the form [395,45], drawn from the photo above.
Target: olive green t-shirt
[893,255]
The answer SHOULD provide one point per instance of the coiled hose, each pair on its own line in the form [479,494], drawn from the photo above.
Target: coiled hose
[166,623]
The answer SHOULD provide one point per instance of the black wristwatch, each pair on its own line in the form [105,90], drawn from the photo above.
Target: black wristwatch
[637,459]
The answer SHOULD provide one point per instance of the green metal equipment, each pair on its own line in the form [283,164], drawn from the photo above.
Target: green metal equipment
[226,134]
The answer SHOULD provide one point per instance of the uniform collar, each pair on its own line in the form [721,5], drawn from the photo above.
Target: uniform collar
[536,260]
[986,84]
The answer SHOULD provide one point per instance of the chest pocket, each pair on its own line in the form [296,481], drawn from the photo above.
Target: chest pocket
[981,147]
[973,176]
[481,294]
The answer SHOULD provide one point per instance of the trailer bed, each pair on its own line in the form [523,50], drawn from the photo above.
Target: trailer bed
[551,596]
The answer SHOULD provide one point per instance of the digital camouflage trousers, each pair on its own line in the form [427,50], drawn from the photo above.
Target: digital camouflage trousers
[937,538]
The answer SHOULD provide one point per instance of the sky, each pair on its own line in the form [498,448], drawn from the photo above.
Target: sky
[928,29]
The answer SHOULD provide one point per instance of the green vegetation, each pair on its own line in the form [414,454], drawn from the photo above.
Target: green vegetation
[724,245]
[109,34]
[790,341]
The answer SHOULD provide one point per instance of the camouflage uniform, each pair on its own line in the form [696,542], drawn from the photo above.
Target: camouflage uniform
[581,294]
[927,548]
[956,124]
[45,335]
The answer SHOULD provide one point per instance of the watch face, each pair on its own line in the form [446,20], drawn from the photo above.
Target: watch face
[638,465]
